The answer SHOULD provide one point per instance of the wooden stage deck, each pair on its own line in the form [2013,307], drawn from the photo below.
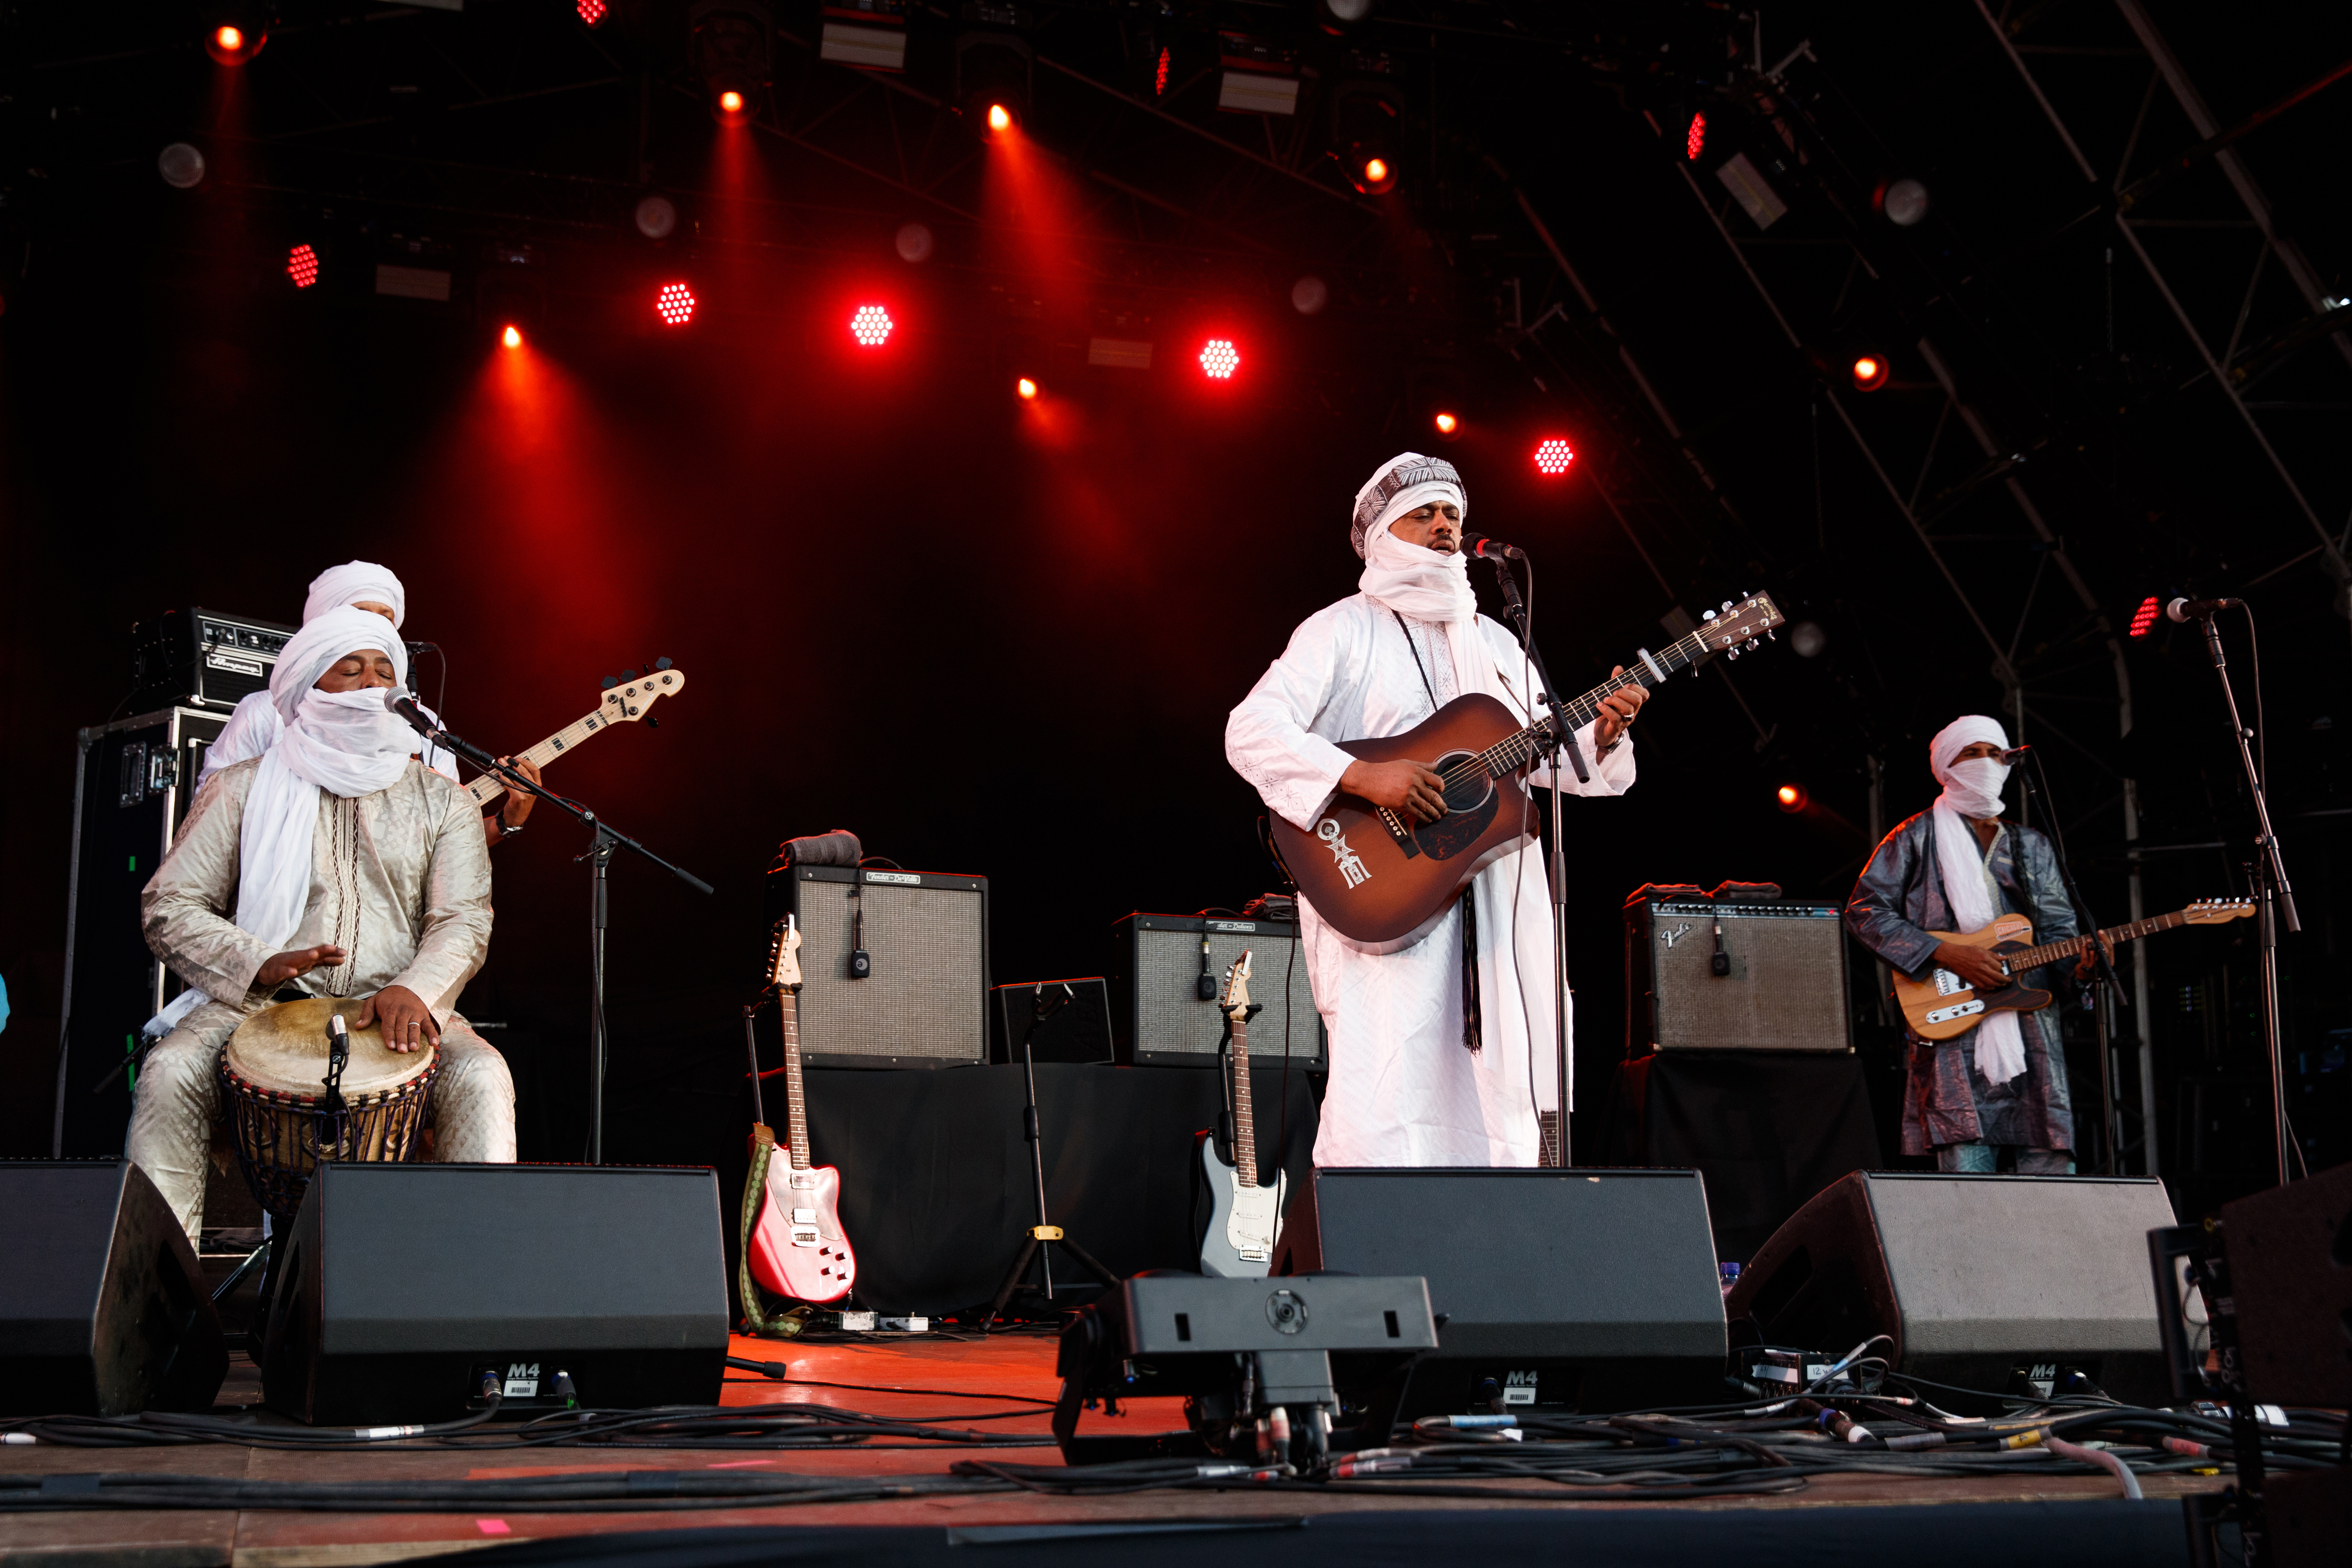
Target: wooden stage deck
[1020,1363]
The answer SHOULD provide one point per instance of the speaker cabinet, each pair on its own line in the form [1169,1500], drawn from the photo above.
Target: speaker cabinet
[103,1307]
[1566,1290]
[2290,1252]
[399,1286]
[1159,1016]
[1997,1284]
[1781,986]
[923,999]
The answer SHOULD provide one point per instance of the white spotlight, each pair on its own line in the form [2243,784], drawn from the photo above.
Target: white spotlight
[915,242]
[181,165]
[657,218]
[1309,295]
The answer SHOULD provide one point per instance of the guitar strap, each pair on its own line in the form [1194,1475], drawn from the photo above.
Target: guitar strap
[1473,1023]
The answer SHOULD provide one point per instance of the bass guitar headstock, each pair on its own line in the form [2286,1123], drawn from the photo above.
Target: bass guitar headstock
[784,956]
[626,700]
[1235,1003]
[2214,911]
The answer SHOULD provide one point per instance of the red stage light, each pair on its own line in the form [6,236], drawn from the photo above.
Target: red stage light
[302,266]
[730,102]
[1000,119]
[2144,616]
[871,326]
[511,337]
[590,11]
[1447,426]
[233,45]
[1159,77]
[229,38]
[1696,142]
[1870,371]
[1553,455]
[675,304]
[1027,388]
[1220,359]
[1790,796]
[1376,169]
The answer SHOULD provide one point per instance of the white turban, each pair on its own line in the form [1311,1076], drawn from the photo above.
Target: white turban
[1972,789]
[353,582]
[323,640]
[1405,482]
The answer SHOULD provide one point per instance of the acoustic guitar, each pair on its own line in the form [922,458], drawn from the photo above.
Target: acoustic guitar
[1383,881]
[1943,1005]
[1247,1218]
[797,1247]
[623,704]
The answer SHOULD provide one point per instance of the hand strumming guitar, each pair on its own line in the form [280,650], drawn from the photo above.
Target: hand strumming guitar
[1977,966]
[1410,788]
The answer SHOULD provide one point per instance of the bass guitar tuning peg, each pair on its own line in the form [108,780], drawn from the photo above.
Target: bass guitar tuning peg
[661,664]
[611,681]
[629,675]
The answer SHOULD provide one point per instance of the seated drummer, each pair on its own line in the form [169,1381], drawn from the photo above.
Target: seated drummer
[352,870]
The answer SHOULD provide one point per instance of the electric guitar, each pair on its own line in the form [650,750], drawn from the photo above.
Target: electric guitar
[624,704]
[1943,1005]
[1383,881]
[797,1247]
[1247,1218]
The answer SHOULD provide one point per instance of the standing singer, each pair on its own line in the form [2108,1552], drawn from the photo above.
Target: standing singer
[1431,1046]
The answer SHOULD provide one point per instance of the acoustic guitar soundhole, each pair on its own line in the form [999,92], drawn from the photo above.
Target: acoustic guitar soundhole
[1470,808]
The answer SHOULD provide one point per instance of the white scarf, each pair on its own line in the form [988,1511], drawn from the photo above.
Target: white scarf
[343,742]
[1972,789]
[1431,586]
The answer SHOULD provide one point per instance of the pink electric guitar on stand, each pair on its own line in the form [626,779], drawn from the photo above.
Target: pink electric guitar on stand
[797,1247]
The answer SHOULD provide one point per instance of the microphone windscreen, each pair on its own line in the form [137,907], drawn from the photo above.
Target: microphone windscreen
[838,847]
[393,696]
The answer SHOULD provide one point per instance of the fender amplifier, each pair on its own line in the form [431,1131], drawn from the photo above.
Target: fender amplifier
[1723,974]
[894,964]
[1159,1017]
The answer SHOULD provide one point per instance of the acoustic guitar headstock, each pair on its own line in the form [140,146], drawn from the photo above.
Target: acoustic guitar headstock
[1735,628]
[784,956]
[2214,911]
[1236,1002]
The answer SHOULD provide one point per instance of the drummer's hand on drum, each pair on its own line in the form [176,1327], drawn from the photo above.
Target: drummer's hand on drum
[279,968]
[406,1021]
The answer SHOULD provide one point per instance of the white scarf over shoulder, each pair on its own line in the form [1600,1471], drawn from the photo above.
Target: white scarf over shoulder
[1972,789]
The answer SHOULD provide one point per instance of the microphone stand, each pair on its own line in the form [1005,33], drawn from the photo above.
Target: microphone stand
[605,838]
[2033,782]
[2275,892]
[1563,739]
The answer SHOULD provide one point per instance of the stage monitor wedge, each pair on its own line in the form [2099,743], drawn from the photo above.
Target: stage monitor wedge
[402,1284]
[103,1306]
[2002,1285]
[1567,1289]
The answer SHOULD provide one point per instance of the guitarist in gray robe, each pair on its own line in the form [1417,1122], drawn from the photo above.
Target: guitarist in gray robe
[1441,1052]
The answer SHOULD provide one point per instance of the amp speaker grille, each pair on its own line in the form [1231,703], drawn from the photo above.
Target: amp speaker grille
[926,1002]
[1786,990]
[1167,1022]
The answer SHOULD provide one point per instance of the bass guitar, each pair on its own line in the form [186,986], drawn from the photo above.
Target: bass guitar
[1383,882]
[1246,1220]
[623,704]
[1943,1005]
[797,1247]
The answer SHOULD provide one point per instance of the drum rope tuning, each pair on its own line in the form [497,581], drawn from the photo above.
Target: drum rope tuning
[297,1094]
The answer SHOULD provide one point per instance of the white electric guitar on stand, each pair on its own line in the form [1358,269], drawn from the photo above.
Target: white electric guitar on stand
[1247,1220]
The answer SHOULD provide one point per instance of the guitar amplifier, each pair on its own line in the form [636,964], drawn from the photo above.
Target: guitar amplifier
[923,999]
[1161,1019]
[203,657]
[1723,974]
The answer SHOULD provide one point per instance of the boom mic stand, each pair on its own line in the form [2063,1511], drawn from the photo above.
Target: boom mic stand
[2034,783]
[605,838]
[1563,740]
[1042,1235]
[2275,892]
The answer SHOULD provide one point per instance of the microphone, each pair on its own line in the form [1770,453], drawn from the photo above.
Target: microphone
[2015,754]
[396,700]
[1487,549]
[2187,610]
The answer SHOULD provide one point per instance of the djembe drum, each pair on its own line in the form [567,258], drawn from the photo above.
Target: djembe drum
[288,1116]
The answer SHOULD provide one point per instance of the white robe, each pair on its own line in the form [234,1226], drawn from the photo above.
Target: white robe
[254,727]
[1403,1089]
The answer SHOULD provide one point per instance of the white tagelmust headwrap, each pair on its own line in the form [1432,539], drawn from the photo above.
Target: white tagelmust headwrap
[341,742]
[352,583]
[1972,789]
[1426,585]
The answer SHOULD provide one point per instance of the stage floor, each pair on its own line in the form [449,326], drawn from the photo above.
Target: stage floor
[1018,1363]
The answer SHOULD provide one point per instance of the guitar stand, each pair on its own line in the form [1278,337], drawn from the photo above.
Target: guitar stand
[1042,1236]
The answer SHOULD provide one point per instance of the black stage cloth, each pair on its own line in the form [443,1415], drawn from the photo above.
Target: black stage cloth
[936,1189]
[1766,1131]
